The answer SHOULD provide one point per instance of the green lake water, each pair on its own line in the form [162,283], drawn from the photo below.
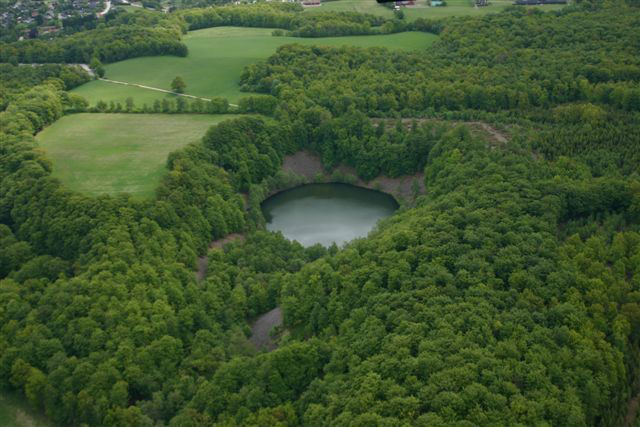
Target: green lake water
[326,213]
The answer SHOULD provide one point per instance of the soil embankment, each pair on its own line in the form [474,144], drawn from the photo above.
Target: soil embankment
[309,165]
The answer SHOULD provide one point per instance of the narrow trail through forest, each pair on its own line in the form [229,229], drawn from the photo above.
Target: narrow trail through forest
[158,90]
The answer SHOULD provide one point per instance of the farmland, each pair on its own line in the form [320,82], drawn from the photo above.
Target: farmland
[215,61]
[421,9]
[114,153]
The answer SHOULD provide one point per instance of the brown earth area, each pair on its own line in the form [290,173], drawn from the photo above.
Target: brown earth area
[309,165]
[261,330]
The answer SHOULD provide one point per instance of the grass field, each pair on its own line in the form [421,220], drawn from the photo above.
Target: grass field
[16,412]
[117,153]
[215,61]
[421,9]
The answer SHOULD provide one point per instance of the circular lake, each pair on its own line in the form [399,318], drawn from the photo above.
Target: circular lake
[326,213]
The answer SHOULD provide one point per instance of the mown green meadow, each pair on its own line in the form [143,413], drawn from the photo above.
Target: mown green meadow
[215,61]
[118,153]
[421,9]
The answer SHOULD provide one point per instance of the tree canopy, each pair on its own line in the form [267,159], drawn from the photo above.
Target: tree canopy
[507,294]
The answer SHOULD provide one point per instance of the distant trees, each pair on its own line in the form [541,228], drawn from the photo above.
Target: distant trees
[107,44]
[178,85]
[97,67]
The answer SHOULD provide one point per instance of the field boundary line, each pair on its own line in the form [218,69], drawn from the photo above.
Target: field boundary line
[157,89]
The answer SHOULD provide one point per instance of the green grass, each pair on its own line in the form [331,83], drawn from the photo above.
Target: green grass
[16,412]
[216,59]
[421,9]
[118,153]
[99,90]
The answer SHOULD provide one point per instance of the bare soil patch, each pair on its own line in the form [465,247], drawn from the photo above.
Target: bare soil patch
[261,329]
[309,165]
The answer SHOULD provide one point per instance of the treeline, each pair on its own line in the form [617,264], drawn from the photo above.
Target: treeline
[293,23]
[107,44]
[17,79]
[179,104]
[261,104]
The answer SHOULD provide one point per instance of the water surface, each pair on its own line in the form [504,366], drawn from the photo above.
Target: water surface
[326,213]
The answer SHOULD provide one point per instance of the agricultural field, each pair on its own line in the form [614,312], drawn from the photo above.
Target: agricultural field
[119,153]
[421,9]
[16,412]
[215,61]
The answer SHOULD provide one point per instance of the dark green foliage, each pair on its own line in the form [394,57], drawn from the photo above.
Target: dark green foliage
[178,85]
[107,44]
[323,24]
[16,79]
[509,295]
[470,67]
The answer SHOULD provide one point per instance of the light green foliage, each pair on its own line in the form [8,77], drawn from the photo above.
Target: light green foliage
[216,59]
[114,153]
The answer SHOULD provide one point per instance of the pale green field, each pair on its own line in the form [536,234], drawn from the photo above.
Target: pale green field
[216,59]
[99,90]
[421,9]
[16,412]
[119,153]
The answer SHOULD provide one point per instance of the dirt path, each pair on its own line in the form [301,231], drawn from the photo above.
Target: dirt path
[216,244]
[157,89]
[262,327]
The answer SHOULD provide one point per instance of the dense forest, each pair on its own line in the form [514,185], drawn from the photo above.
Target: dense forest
[508,294]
